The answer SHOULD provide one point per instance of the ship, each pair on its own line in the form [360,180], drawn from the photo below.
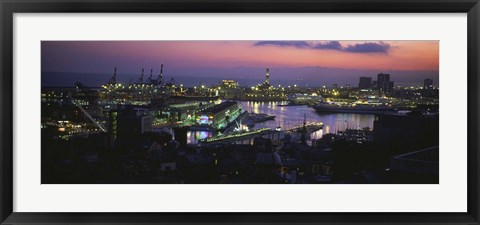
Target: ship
[253,118]
[332,107]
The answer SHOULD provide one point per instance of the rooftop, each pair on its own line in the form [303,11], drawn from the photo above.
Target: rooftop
[424,155]
[220,107]
[424,161]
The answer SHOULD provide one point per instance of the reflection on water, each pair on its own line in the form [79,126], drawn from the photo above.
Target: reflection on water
[194,136]
[292,116]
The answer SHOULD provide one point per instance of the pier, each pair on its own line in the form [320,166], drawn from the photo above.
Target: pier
[274,135]
[311,127]
[240,136]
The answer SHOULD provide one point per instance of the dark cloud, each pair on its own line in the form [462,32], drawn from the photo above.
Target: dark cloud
[297,44]
[367,47]
[334,45]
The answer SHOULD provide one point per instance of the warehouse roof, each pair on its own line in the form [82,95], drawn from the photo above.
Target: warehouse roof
[220,107]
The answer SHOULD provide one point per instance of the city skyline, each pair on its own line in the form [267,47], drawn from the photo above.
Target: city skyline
[314,62]
[240,112]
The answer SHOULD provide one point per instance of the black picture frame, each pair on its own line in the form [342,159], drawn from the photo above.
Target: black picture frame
[9,7]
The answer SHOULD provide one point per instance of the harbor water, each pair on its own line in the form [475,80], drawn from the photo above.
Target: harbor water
[291,116]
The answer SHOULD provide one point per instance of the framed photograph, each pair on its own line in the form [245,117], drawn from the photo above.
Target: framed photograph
[259,112]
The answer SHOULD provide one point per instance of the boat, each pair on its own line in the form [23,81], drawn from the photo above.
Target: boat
[254,118]
[291,104]
[262,117]
[366,108]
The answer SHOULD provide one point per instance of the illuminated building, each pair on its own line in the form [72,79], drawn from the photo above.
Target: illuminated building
[229,84]
[228,89]
[267,76]
[299,98]
[219,116]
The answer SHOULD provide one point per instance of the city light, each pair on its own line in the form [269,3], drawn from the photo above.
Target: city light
[254,125]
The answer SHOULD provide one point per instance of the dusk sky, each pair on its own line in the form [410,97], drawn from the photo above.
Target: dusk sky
[314,62]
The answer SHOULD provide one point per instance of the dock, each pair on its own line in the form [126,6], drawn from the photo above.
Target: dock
[311,127]
[240,136]
[274,135]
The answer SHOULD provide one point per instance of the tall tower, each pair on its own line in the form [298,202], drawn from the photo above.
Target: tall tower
[384,84]
[267,76]
[160,76]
